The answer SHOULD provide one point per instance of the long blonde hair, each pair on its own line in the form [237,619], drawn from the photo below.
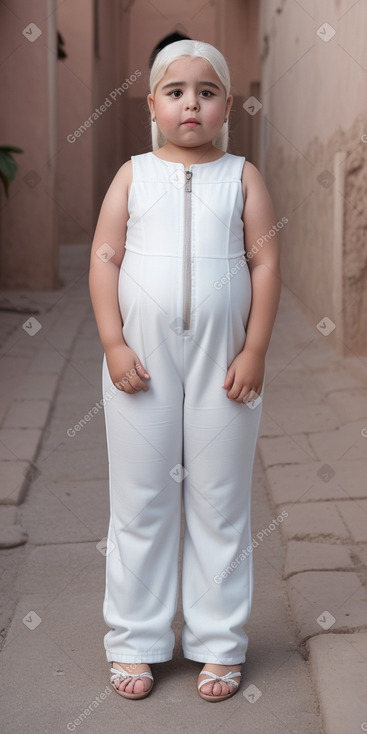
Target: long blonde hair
[189,48]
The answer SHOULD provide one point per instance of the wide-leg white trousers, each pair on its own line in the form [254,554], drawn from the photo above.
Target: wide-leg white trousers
[183,435]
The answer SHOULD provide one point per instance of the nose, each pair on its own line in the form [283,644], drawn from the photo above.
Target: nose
[191,102]
[192,106]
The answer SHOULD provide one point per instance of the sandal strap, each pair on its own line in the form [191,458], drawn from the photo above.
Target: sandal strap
[228,678]
[124,674]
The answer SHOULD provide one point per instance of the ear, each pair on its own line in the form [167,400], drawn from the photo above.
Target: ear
[150,100]
[229,104]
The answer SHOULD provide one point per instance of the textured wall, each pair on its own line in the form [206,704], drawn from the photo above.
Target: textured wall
[355,247]
[313,155]
[75,159]
[28,247]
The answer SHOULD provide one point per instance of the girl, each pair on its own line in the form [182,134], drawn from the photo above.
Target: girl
[185,302]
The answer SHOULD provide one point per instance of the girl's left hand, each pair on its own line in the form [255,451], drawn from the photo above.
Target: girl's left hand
[245,377]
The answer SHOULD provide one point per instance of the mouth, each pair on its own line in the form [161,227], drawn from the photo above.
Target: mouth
[191,121]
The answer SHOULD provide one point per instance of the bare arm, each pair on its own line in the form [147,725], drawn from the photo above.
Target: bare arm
[259,220]
[246,373]
[109,238]
[107,253]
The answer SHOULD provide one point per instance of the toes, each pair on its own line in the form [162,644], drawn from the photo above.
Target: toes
[120,684]
[207,689]
[212,689]
[217,688]
[138,686]
[126,685]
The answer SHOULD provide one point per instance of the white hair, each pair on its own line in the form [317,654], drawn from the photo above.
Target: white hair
[189,48]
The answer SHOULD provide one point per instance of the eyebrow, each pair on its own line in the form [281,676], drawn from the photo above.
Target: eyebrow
[184,84]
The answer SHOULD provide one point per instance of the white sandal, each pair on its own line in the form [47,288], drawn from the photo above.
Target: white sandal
[117,673]
[228,678]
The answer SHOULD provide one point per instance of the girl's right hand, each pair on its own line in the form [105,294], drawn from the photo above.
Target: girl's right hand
[126,370]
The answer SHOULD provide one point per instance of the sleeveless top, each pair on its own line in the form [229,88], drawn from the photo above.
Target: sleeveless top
[185,243]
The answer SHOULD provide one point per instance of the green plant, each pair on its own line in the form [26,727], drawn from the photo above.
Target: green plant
[8,166]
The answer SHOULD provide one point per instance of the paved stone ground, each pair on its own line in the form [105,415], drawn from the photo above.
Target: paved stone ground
[313,448]
[308,630]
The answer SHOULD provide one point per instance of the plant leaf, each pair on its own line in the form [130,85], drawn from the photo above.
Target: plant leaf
[6,184]
[11,149]
[8,166]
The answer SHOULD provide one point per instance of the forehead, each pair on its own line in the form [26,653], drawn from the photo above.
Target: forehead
[190,69]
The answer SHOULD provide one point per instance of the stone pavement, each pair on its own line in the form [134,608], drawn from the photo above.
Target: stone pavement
[54,513]
[313,447]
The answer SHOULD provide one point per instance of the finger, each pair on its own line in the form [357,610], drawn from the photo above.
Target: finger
[124,385]
[135,387]
[242,394]
[228,382]
[234,392]
[137,383]
[131,382]
[141,370]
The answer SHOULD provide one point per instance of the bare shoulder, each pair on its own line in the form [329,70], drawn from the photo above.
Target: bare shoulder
[251,177]
[121,183]
[114,215]
[253,186]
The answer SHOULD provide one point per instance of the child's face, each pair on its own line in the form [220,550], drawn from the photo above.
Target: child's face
[194,91]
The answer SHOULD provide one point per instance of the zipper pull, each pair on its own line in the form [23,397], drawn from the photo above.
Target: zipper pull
[188,175]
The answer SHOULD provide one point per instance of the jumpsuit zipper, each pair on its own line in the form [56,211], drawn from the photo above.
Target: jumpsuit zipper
[187,254]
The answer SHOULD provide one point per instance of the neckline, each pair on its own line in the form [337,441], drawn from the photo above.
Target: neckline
[176,163]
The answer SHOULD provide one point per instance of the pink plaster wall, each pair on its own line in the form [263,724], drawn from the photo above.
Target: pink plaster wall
[28,242]
[74,185]
[314,96]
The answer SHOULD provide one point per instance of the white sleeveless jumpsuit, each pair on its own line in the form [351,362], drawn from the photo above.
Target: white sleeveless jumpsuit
[184,293]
